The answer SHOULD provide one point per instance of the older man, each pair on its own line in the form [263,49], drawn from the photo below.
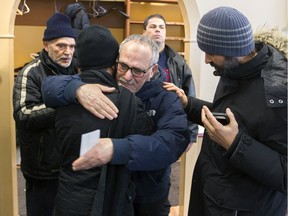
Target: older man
[35,122]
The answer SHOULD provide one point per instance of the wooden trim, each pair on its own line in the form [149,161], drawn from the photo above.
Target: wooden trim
[175,38]
[128,21]
[157,1]
[7,36]
[167,23]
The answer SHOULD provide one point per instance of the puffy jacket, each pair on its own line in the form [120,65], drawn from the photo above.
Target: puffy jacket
[250,178]
[79,17]
[34,121]
[171,129]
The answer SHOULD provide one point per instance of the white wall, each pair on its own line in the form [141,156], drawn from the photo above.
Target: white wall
[260,12]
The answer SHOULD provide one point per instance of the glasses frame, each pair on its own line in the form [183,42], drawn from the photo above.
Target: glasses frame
[132,69]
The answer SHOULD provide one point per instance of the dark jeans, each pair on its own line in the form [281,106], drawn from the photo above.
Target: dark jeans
[159,208]
[40,196]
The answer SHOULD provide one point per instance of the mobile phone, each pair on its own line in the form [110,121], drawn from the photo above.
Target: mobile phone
[221,117]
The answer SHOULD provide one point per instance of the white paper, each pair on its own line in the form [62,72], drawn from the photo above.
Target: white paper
[89,140]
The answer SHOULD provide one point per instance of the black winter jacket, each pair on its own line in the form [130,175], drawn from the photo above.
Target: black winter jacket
[250,178]
[181,76]
[79,190]
[34,121]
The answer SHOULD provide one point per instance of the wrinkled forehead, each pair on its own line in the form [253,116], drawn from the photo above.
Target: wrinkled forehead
[136,47]
[135,52]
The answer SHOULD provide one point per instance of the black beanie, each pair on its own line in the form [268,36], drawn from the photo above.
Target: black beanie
[57,26]
[96,47]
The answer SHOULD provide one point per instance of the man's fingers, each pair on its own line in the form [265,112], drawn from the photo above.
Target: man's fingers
[108,106]
[231,117]
[91,97]
[78,163]
[106,89]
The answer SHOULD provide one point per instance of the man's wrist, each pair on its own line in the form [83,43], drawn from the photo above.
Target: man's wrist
[71,89]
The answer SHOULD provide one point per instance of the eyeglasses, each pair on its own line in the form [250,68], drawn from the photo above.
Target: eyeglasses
[136,72]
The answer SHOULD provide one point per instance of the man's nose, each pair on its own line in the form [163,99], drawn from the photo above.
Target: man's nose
[208,58]
[128,75]
[69,50]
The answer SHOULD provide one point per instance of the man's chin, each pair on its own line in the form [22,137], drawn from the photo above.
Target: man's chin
[65,64]
[129,87]
[157,39]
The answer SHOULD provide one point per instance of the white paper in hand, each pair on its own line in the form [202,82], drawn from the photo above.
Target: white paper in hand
[89,140]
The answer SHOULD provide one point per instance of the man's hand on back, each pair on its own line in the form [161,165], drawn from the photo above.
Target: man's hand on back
[90,96]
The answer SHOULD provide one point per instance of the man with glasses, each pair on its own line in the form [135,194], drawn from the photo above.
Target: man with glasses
[35,122]
[149,157]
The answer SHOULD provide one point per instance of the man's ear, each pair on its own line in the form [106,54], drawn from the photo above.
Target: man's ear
[45,44]
[154,70]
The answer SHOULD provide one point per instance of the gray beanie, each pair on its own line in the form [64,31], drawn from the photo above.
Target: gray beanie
[225,31]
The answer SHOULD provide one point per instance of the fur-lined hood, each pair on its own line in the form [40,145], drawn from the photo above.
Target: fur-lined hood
[273,37]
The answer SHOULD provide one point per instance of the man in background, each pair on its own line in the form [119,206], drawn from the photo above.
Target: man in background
[40,158]
[174,65]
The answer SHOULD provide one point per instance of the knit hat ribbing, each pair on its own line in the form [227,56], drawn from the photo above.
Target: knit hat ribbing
[96,47]
[57,26]
[225,31]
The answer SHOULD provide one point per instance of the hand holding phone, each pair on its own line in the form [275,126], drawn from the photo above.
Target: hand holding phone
[221,117]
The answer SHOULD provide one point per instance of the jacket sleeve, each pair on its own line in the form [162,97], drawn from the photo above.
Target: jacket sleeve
[60,90]
[180,66]
[194,108]
[30,111]
[160,149]
[189,88]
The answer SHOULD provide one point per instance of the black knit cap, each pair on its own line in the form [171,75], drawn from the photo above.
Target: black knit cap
[96,47]
[57,26]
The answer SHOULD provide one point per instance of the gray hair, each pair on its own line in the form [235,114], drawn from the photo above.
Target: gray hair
[145,41]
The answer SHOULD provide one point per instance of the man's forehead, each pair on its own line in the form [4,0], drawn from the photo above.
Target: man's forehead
[66,40]
[155,21]
[136,47]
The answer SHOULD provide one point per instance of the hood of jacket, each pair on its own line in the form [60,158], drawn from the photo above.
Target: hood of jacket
[273,37]
[275,71]
[72,9]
